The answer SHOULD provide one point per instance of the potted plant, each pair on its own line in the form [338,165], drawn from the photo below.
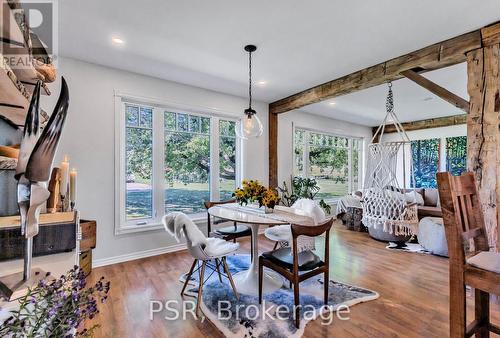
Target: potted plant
[301,188]
[57,307]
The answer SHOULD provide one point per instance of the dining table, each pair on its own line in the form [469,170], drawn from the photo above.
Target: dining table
[247,281]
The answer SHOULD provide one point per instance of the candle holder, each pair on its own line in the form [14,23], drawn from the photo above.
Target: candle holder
[72,205]
[63,204]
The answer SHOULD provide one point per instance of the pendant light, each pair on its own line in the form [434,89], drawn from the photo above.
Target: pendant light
[250,125]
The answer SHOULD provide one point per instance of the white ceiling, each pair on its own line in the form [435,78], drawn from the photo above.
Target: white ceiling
[301,43]
[411,102]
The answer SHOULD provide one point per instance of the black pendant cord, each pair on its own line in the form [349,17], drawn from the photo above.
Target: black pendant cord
[250,79]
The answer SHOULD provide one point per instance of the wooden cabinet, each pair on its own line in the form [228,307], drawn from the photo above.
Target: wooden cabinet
[87,243]
[88,229]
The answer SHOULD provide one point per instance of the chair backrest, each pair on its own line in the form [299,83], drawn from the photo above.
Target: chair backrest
[462,215]
[311,208]
[208,205]
[176,224]
[311,231]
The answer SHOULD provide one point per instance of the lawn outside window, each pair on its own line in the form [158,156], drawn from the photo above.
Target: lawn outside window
[333,160]
[170,159]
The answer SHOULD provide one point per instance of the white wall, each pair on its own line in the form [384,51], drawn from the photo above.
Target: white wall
[286,123]
[88,138]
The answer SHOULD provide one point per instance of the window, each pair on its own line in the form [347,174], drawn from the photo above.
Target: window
[227,158]
[171,160]
[139,162]
[456,155]
[334,161]
[433,155]
[187,162]
[425,155]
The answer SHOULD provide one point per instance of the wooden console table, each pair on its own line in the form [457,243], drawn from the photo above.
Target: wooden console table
[58,264]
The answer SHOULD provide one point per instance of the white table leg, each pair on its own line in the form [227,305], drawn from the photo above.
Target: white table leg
[247,282]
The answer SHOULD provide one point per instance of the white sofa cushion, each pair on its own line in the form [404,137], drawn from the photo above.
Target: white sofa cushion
[486,260]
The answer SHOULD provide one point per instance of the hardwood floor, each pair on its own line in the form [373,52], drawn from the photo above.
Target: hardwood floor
[413,292]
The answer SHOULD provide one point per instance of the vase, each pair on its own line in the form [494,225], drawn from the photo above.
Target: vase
[268,210]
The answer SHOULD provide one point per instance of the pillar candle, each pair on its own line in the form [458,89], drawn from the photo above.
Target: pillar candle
[64,175]
[72,185]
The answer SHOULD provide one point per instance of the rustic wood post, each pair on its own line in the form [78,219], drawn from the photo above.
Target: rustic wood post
[273,149]
[483,136]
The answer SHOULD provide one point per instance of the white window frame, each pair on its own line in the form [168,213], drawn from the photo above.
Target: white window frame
[305,156]
[122,226]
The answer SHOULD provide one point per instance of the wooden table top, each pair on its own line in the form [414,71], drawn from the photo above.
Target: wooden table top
[9,222]
[253,215]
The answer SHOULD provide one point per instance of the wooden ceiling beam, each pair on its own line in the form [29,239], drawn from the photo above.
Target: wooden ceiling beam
[427,124]
[439,55]
[437,90]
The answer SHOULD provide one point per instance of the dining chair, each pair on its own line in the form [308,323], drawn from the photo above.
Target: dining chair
[299,266]
[471,262]
[281,234]
[228,233]
[204,250]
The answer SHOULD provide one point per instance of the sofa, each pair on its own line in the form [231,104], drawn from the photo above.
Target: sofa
[431,208]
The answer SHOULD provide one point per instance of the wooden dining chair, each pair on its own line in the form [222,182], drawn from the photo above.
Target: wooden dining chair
[477,266]
[228,233]
[299,266]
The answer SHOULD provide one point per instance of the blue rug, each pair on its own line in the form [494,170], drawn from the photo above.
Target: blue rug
[246,318]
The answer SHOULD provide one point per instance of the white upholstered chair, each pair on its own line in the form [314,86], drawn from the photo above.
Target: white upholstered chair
[209,252]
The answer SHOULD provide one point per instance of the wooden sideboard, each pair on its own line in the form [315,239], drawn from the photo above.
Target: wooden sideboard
[57,264]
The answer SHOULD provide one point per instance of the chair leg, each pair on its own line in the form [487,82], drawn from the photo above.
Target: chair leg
[296,298]
[230,277]
[200,287]
[458,324]
[482,311]
[261,272]
[188,276]
[217,267]
[326,283]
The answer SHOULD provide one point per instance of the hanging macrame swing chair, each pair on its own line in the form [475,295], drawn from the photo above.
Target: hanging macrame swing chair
[386,203]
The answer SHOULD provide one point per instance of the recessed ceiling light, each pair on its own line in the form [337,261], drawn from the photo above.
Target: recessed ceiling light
[333,103]
[118,41]
[262,83]
[429,98]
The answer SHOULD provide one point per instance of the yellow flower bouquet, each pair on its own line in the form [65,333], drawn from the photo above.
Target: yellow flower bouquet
[252,191]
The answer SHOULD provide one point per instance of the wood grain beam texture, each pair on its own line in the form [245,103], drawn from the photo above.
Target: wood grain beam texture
[437,90]
[483,135]
[427,124]
[273,150]
[439,55]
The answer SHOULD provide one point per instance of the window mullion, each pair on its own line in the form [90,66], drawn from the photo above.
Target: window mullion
[305,159]
[158,163]
[214,159]
[349,165]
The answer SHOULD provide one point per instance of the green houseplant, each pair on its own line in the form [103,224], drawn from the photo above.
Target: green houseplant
[301,188]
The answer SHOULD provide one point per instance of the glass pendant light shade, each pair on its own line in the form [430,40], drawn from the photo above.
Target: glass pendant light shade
[249,127]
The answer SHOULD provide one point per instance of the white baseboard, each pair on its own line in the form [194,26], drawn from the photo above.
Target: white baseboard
[137,255]
[143,254]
